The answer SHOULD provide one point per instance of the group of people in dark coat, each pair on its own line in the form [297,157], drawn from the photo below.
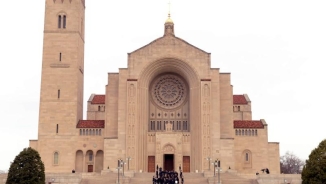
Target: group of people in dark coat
[167,177]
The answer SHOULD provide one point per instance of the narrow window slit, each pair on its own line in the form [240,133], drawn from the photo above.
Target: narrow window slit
[64,21]
[59,21]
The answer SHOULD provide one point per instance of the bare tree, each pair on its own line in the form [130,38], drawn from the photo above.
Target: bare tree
[291,164]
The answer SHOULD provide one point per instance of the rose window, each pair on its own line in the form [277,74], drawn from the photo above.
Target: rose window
[168,91]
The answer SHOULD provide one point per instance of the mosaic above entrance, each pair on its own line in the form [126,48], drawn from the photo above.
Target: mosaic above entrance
[169,91]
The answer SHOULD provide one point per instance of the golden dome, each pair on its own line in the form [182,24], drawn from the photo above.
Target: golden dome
[169,20]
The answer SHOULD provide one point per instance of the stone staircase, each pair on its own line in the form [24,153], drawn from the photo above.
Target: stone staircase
[142,178]
[97,178]
[189,178]
[146,178]
[194,178]
[230,178]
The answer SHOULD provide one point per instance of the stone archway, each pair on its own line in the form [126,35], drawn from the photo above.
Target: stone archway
[99,159]
[79,161]
[89,161]
[189,74]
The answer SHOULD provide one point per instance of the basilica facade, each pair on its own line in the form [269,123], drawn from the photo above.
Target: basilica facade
[167,108]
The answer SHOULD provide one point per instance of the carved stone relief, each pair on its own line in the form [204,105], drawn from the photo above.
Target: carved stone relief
[168,149]
[169,91]
[131,98]
[206,122]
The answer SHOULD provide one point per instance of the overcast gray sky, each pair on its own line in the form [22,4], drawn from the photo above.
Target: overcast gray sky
[275,51]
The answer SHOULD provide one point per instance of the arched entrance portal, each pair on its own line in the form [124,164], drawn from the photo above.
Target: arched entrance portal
[168,158]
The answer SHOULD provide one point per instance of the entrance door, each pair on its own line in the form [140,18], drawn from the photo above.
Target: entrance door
[186,163]
[151,163]
[90,168]
[169,162]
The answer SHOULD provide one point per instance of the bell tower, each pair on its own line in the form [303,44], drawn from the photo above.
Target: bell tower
[62,80]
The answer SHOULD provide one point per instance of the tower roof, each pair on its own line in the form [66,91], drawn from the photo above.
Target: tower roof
[169,20]
[169,26]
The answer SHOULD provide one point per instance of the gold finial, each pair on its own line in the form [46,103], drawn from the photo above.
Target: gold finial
[169,20]
[169,8]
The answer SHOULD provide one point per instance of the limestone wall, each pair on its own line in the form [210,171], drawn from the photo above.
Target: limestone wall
[95,111]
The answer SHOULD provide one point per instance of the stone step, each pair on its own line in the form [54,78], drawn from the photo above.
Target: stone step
[189,178]
[146,178]
[231,178]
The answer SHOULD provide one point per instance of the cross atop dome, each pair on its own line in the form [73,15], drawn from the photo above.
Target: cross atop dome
[169,25]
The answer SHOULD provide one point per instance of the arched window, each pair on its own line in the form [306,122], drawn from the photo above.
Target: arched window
[249,132]
[59,21]
[80,132]
[83,131]
[96,131]
[247,158]
[99,108]
[236,132]
[246,132]
[242,132]
[56,158]
[100,132]
[64,21]
[90,157]
[93,131]
[87,132]
[255,132]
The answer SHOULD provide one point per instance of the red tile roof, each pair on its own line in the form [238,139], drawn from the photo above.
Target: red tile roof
[248,124]
[239,99]
[90,124]
[98,99]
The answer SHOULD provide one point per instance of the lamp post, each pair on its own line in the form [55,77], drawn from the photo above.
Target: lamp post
[118,174]
[215,165]
[219,177]
[209,162]
[122,164]
[128,159]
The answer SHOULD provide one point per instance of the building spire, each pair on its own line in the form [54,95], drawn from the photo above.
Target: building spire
[169,14]
[169,25]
